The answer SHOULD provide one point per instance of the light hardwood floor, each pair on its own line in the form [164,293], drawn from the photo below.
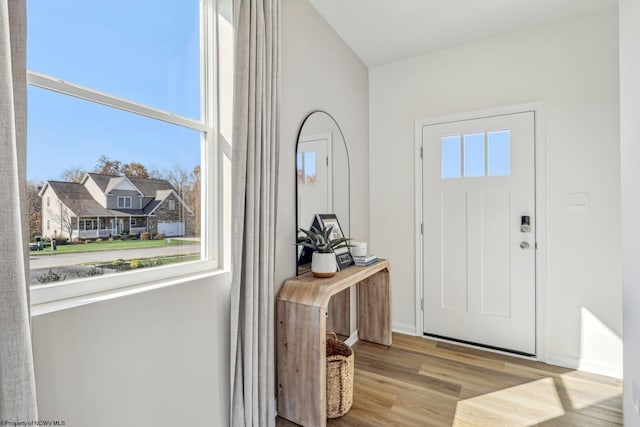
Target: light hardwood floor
[421,382]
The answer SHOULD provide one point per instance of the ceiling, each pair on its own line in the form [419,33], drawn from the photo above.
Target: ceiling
[381,31]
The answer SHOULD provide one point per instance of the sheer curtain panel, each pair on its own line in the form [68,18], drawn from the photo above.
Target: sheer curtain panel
[254,180]
[17,384]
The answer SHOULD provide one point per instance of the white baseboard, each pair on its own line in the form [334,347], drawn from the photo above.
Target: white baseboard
[353,338]
[593,366]
[404,329]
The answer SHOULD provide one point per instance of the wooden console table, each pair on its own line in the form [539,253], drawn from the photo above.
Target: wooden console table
[301,334]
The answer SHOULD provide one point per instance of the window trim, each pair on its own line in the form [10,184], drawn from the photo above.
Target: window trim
[213,240]
[171,205]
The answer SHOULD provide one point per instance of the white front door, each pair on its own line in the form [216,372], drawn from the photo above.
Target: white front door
[479,260]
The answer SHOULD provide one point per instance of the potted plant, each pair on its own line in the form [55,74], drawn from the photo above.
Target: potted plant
[323,260]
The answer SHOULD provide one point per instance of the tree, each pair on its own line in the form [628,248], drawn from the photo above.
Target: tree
[194,197]
[107,166]
[135,169]
[180,179]
[62,216]
[74,174]
[34,203]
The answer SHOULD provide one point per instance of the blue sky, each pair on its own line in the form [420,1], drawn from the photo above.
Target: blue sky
[143,50]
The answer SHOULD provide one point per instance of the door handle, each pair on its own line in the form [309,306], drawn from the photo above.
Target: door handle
[524,245]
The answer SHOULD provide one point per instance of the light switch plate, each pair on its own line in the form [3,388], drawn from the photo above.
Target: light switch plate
[635,396]
[578,200]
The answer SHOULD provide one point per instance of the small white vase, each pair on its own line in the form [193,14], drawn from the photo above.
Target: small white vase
[323,265]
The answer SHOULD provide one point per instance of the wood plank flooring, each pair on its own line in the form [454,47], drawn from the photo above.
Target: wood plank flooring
[421,382]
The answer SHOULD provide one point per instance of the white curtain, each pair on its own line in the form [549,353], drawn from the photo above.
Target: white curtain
[17,384]
[255,171]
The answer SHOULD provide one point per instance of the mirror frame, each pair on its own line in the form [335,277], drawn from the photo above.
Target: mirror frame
[295,163]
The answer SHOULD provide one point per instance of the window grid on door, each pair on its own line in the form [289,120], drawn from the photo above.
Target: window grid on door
[476,154]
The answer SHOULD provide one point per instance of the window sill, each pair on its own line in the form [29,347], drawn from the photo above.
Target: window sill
[62,296]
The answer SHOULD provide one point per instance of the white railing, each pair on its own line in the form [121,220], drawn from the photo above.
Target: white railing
[94,234]
[137,230]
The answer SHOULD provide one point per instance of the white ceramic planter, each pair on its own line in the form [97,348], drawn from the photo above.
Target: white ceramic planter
[323,265]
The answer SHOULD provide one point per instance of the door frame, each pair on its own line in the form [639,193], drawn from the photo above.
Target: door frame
[538,109]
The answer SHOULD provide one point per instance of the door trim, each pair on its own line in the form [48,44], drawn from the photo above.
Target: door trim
[538,108]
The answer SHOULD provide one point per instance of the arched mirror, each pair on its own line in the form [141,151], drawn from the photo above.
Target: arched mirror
[322,175]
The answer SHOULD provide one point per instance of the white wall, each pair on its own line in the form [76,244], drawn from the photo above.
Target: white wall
[630,153]
[573,68]
[157,358]
[319,71]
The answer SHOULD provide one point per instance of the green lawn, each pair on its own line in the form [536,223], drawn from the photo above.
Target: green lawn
[111,246]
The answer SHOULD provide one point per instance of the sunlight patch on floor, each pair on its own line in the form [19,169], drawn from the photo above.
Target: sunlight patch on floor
[582,393]
[514,406]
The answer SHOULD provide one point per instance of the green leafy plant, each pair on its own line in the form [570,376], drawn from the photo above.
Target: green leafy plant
[93,271]
[51,276]
[321,241]
[120,265]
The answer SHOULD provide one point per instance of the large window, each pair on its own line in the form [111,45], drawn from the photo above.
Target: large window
[121,108]
[124,202]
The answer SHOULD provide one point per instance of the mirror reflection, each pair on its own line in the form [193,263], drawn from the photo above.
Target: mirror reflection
[322,174]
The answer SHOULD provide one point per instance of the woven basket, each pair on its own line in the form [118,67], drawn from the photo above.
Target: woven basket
[339,377]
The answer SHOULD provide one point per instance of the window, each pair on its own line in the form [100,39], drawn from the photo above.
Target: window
[451,157]
[172,205]
[48,202]
[476,155]
[126,102]
[88,224]
[499,153]
[124,202]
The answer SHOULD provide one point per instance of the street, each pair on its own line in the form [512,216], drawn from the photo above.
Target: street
[69,264]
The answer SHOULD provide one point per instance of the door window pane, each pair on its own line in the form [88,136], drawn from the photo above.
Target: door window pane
[499,153]
[310,167]
[474,155]
[451,157]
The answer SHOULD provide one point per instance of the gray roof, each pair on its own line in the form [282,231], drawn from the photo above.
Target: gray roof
[148,186]
[151,206]
[79,200]
[101,180]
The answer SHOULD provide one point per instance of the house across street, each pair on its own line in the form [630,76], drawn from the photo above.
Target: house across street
[101,206]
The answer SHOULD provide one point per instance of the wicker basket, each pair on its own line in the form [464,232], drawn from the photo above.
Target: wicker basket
[339,377]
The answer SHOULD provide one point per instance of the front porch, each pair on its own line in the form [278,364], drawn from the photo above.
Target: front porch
[105,227]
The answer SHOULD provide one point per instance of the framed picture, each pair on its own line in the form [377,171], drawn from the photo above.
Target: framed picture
[343,255]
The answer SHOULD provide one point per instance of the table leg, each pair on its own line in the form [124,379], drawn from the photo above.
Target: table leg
[301,366]
[374,308]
